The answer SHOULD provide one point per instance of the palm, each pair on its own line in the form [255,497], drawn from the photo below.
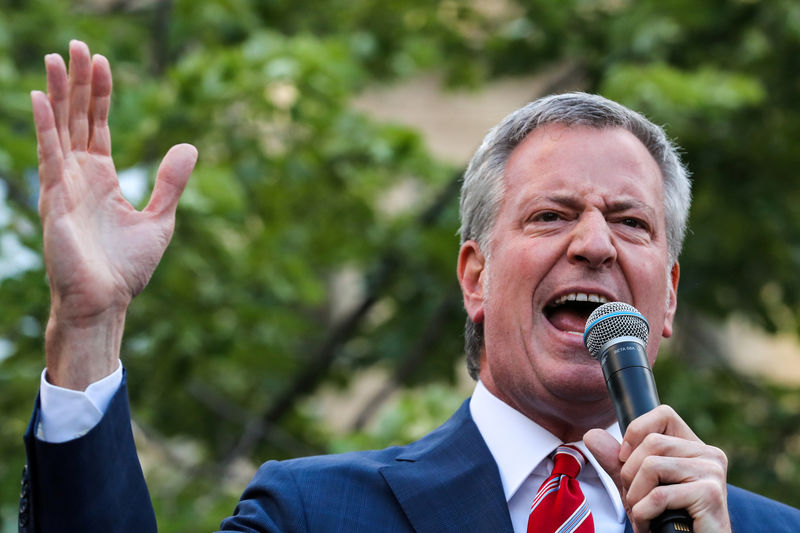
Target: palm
[99,250]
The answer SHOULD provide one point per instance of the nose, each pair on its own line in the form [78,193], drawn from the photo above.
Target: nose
[591,242]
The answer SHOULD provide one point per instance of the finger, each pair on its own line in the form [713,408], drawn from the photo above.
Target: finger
[173,173]
[51,160]
[80,86]
[605,449]
[663,419]
[99,135]
[658,470]
[58,92]
[705,500]
[658,445]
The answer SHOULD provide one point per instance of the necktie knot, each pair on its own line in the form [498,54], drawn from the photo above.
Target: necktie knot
[568,461]
[559,505]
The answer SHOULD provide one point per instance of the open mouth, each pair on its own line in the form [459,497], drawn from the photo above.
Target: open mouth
[570,311]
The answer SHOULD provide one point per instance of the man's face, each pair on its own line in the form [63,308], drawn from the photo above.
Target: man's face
[582,219]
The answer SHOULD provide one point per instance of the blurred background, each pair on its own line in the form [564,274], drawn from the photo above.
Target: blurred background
[308,302]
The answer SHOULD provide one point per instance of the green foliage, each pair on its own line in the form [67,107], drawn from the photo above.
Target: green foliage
[245,318]
[669,92]
[407,418]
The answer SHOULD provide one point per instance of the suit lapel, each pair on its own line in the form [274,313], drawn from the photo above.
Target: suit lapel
[448,481]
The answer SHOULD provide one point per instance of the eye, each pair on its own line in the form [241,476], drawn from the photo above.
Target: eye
[634,223]
[546,216]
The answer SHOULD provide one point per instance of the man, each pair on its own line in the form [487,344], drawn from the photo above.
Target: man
[570,201]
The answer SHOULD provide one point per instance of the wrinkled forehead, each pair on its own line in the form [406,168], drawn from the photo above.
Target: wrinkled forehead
[581,161]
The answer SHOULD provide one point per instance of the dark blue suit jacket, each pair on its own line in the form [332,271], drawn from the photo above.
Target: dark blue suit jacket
[445,482]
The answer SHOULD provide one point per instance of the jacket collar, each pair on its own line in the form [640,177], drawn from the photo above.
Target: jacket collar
[449,482]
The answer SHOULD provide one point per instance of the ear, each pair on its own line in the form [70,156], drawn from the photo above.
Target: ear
[471,268]
[672,304]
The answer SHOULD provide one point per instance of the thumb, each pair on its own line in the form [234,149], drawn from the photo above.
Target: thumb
[605,449]
[173,173]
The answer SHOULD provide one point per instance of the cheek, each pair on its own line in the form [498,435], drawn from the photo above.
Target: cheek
[651,285]
[503,289]
[515,271]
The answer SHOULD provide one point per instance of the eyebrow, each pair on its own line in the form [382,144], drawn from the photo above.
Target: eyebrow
[615,206]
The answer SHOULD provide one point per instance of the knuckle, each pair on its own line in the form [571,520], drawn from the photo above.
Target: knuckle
[650,506]
[627,472]
[665,410]
[633,429]
[711,491]
[650,463]
[719,456]
[717,470]
[631,504]
[658,497]
[635,514]
[654,441]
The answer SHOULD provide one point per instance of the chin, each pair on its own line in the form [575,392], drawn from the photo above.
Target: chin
[583,383]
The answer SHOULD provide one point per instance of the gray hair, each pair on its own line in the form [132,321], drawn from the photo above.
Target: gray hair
[483,186]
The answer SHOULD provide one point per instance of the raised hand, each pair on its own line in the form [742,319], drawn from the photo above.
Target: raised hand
[663,465]
[99,251]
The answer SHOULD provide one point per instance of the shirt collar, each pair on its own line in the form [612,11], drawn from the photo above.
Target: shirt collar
[519,445]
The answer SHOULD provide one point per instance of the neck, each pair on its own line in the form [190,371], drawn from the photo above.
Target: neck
[568,420]
[569,432]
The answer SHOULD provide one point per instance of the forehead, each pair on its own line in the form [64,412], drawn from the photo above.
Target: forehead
[586,162]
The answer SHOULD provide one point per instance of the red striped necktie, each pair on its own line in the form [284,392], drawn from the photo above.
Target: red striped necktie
[560,506]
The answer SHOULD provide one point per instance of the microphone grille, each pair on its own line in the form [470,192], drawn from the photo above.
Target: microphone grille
[612,320]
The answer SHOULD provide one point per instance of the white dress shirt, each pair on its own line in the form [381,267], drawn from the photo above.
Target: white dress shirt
[67,414]
[521,448]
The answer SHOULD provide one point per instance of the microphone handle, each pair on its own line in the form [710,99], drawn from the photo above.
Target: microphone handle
[632,389]
[672,521]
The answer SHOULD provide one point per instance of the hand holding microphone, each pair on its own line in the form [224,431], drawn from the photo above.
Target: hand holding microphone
[616,335]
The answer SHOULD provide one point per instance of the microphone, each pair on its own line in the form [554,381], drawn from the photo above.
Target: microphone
[616,335]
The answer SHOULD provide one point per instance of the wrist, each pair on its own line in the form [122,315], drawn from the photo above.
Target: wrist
[80,352]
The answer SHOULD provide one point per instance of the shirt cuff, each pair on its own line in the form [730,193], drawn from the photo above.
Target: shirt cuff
[67,414]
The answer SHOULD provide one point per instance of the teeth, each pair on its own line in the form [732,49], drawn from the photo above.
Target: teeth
[581,297]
